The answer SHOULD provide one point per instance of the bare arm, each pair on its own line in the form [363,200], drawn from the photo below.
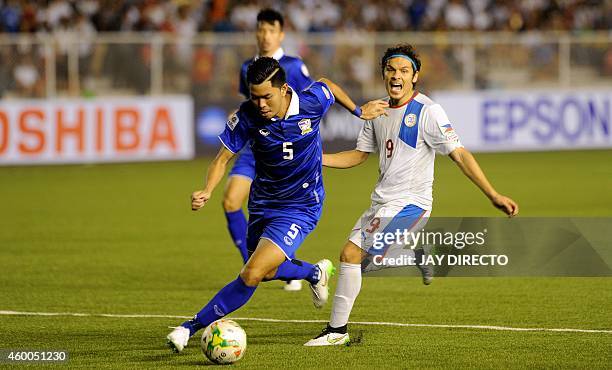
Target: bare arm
[348,159]
[467,163]
[215,173]
[370,110]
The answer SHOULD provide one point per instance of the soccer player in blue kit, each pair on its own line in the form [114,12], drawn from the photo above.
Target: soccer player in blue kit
[269,37]
[282,128]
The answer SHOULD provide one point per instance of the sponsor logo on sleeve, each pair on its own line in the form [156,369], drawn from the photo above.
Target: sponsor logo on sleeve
[233,121]
[449,132]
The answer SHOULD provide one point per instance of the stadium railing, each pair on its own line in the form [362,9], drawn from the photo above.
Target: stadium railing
[206,67]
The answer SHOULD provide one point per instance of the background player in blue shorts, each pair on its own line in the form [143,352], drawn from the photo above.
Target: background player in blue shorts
[282,128]
[269,36]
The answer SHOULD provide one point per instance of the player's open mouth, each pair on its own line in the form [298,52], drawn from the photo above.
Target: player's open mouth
[396,87]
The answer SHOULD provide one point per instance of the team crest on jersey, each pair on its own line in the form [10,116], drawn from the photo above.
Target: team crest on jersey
[233,121]
[305,126]
[264,132]
[410,120]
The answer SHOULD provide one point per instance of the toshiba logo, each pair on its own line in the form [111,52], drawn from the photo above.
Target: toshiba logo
[86,131]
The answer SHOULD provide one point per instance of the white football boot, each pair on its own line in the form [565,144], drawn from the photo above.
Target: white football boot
[327,338]
[293,286]
[320,290]
[177,339]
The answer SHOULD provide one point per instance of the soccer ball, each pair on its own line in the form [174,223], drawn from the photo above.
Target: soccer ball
[223,342]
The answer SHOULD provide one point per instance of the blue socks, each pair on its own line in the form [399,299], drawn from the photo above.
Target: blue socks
[233,296]
[298,270]
[237,226]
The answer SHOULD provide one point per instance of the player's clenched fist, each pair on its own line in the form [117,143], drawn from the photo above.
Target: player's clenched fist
[373,109]
[506,205]
[198,199]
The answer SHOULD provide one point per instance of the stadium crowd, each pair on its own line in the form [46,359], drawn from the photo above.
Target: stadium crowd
[185,17]
[207,71]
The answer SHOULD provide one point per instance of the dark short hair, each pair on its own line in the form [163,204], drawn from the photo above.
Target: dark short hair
[400,49]
[270,16]
[261,69]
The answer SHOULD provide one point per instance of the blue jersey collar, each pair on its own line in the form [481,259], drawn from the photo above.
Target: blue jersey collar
[294,104]
[278,54]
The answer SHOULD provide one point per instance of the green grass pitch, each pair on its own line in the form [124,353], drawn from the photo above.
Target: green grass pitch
[121,239]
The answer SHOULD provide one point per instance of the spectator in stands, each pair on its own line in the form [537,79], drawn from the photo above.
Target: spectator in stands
[308,15]
[27,77]
[10,16]
[457,16]
[184,18]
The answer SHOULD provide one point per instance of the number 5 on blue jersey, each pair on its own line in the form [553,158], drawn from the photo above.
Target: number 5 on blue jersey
[287,151]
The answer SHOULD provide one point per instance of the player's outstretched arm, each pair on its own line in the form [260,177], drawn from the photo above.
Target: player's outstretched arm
[466,161]
[347,159]
[215,173]
[369,110]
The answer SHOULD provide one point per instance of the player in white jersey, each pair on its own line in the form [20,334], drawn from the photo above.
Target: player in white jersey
[407,138]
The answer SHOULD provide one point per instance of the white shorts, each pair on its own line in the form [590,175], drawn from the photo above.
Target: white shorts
[380,217]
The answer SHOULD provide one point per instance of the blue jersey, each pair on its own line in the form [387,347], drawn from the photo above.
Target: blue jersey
[295,70]
[288,152]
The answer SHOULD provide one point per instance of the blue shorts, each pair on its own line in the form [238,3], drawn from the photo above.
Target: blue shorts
[287,228]
[244,165]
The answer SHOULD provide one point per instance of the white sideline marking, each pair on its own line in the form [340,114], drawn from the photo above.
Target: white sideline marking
[377,323]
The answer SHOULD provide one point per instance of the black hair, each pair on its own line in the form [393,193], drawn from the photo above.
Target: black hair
[401,49]
[261,69]
[270,16]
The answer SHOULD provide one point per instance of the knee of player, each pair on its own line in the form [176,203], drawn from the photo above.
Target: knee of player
[351,254]
[252,276]
[231,204]
[270,276]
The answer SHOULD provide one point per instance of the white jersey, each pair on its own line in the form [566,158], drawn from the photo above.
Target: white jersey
[407,140]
